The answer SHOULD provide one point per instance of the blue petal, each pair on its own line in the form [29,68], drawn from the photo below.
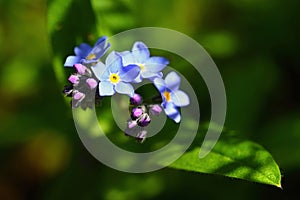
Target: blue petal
[129,73]
[156,64]
[114,62]
[171,111]
[112,56]
[158,75]
[147,74]
[101,41]
[106,88]
[127,58]
[172,81]
[180,98]
[140,52]
[176,117]
[71,60]
[169,108]
[82,50]
[138,79]
[100,71]
[159,84]
[124,88]
[100,48]
[88,61]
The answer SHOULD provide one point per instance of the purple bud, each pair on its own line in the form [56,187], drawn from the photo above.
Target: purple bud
[92,83]
[80,68]
[132,124]
[78,95]
[68,89]
[136,113]
[136,99]
[74,79]
[155,109]
[141,136]
[144,120]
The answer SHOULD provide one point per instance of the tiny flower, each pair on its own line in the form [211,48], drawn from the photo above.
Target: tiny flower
[92,83]
[171,95]
[74,79]
[85,54]
[81,69]
[78,95]
[136,99]
[155,109]
[141,136]
[132,124]
[68,89]
[137,132]
[150,67]
[77,98]
[144,120]
[114,77]
[136,113]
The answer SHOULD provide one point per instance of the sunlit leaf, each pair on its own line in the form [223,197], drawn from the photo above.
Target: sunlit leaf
[234,158]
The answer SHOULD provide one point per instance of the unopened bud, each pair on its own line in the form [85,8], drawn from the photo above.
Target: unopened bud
[136,113]
[80,68]
[92,83]
[78,95]
[155,109]
[141,136]
[68,89]
[74,79]
[132,124]
[136,99]
[144,120]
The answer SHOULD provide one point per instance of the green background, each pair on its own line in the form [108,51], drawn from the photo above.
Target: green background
[254,44]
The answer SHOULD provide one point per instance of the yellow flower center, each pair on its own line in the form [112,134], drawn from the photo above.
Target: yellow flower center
[142,67]
[114,78]
[167,95]
[91,56]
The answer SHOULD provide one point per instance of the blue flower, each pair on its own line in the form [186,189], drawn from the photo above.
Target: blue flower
[85,54]
[171,95]
[150,67]
[114,77]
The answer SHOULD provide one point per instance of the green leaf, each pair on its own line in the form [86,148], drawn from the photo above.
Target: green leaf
[234,158]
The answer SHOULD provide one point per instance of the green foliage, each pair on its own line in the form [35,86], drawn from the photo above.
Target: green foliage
[67,25]
[255,45]
[230,157]
[275,133]
[234,158]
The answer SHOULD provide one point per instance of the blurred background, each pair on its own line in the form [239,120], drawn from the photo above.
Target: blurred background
[253,42]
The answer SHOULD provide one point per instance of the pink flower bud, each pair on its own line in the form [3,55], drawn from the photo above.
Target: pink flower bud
[141,136]
[78,95]
[155,109]
[80,68]
[136,99]
[132,124]
[74,79]
[136,113]
[92,83]
[144,120]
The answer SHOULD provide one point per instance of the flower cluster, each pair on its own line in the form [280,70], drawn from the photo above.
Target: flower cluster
[117,75]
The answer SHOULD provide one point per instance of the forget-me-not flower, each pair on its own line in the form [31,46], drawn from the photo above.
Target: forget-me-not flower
[85,54]
[172,97]
[114,77]
[150,67]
